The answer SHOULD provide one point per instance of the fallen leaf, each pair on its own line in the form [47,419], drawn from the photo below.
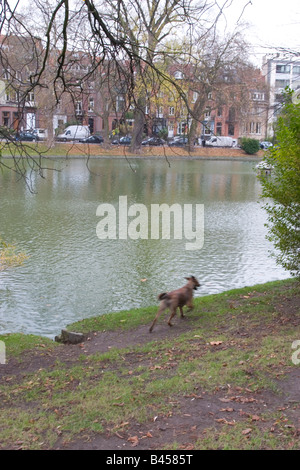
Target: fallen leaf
[134,441]
[215,343]
[246,431]
[255,418]
[224,421]
[229,410]
[143,280]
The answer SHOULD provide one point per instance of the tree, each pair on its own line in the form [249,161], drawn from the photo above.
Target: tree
[133,35]
[284,188]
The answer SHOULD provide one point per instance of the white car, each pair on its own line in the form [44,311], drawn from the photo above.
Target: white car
[265,145]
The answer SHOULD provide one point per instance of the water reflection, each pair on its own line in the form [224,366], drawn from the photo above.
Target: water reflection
[71,274]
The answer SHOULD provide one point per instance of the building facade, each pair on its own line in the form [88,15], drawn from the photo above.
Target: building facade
[236,105]
[279,71]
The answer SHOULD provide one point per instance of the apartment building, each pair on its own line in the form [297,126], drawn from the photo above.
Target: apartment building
[280,71]
[236,105]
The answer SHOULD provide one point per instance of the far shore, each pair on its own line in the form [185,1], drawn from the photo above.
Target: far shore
[76,150]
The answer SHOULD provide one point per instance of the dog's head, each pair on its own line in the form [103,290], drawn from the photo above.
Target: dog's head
[194,281]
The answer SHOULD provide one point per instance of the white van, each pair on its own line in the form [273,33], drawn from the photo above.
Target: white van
[74,133]
[220,141]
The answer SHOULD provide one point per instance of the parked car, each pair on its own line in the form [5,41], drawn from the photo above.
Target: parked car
[122,140]
[265,145]
[42,134]
[27,135]
[74,133]
[179,142]
[92,139]
[154,141]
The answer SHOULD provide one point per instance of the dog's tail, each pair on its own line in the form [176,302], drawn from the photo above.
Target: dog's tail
[163,296]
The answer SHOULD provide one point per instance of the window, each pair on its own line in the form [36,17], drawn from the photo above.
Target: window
[296,69]
[91,104]
[255,128]
[31,98]
[219,128]
[281,83]
[231,114]
[283,68]
[171,111]
[207,113]
[220,111]
[258,128]
[120,103]
[195,96]
[78,108]
[257,96]
[6,74]
[159,112]
[5,118]
[230,129]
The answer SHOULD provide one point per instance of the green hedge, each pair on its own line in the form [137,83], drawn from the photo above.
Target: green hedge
[250,146]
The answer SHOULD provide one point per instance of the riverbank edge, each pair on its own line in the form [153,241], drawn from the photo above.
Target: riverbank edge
[121,321]
[89,152]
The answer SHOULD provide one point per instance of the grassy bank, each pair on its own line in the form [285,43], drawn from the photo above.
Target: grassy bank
[217,379]
[76,149]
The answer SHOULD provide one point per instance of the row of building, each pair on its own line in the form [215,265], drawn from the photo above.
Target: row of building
[249,109]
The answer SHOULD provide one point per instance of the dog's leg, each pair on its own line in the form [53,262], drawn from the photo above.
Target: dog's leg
[181,312]
[173,313]
[190,305]
[161,309]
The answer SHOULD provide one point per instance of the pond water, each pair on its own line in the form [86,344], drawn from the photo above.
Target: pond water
[72,274]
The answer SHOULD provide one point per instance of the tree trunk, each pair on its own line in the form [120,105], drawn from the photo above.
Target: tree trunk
[139,125]
[198,112]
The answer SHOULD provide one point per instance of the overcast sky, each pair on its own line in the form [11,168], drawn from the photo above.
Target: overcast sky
[273,23]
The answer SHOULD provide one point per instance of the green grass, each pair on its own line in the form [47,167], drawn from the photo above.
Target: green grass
[235,340]
[18,343]
[211,306]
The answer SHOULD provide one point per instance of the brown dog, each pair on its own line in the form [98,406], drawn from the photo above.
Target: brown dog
[177,298]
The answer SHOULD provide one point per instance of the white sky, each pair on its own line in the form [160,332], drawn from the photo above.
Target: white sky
[271,23]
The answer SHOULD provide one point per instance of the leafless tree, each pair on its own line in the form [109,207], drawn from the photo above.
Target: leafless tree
[134,35]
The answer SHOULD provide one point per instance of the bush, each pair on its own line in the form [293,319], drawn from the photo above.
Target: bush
[283,188]
[250,146]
